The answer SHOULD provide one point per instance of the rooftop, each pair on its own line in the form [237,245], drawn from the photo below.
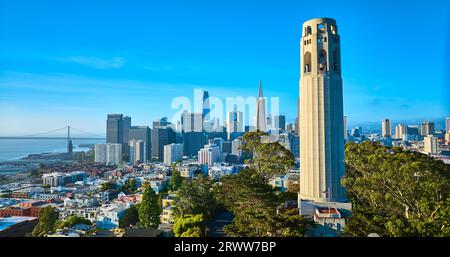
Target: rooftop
[10,221]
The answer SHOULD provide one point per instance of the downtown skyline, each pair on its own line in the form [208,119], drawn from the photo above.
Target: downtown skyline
[51,80]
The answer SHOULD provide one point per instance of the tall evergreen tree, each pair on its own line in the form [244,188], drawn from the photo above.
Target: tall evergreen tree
[175,180]
[149,209]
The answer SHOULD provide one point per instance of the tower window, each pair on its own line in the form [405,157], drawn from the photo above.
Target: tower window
[322,60]
[321,27]
[308,31]
[307,62]
[333,29]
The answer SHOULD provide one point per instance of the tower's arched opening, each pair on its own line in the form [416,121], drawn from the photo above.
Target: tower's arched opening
[308,31]
[307,62]
[323,60]
[321,27]
[333,29]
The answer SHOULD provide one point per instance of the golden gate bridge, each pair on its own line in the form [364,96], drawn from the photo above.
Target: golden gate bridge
[45,135]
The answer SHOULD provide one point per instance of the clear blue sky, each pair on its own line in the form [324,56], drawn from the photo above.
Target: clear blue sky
[72,62]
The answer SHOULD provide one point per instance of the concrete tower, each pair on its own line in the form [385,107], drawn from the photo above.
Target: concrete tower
[261,111]
[321,113]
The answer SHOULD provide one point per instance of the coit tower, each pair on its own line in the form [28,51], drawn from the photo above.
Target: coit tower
[321,113]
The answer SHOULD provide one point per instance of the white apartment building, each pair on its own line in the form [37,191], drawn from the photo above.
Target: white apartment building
[209,154]
[173,153]
[108,153]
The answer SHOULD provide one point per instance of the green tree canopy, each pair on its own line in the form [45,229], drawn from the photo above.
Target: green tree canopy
[129,187]
[195,197]
[149,209]
[254,203]
[175,180]
[130,218]
[73,220]
[268,159]
[396,192]
[46,224]
[107,186]
[189,226]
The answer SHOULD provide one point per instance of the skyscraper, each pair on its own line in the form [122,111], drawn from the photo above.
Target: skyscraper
[400,130]
[427,128]
[261,111]
[137,149]
[321,113]
[206,108]
[447,124]
[279,122]
[193,135]
[235,122]
[386,128]
[430,145]
[161,135]
[114,129]
[142,133]
[289,128]
[126,129]
[117,128]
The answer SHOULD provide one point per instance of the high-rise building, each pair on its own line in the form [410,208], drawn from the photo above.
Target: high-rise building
[173,153]
[236,147]
[108,153]
[225,147]
[235,122]
[209,154]
[269,123]
[142,133]
[386,130]
[261,111]
[137,151]
[114,129]
[117,129]
[126,134]
[289,128]
[430,145]
[295,145]
[447,124]
[447,137]
[297,125]
[427,128]
[161,122]
[279,122]
[193,135]
[206,108]
[322,163]
[161,136]
[191,122]
[400,130]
